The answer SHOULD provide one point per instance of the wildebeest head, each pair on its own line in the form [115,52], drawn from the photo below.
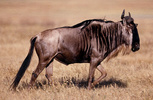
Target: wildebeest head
[130,32]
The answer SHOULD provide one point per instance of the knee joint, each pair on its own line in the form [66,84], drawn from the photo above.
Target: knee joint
[105,74]
[48,75]
[34,75]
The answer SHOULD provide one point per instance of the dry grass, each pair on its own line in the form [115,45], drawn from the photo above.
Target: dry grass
[129,77]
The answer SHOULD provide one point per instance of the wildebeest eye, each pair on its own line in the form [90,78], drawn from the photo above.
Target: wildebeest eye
[131,22]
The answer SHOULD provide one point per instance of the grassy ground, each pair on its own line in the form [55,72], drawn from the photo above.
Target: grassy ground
[129,77]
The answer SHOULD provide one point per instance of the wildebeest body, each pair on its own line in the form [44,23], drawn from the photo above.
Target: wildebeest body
[90,41]
[77,45]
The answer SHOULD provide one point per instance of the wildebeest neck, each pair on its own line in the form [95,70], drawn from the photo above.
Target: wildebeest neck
[105,37]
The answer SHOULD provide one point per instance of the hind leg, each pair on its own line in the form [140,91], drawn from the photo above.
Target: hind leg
[38,70]
[45,58]
[44,62]
[49,73]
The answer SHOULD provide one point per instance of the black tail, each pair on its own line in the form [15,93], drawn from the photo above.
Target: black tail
[24,65]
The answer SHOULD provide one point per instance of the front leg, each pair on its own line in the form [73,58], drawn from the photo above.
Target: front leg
[93,65]
[91,75]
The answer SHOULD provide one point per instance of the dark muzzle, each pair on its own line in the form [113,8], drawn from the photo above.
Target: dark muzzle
[135,47]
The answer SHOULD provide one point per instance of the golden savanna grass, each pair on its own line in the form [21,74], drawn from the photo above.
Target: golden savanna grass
[129,77]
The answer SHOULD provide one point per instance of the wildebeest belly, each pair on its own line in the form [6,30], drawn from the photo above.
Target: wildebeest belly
[70,49]
[70,58]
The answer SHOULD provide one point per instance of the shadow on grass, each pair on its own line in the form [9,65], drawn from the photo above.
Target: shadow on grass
[84,83]
[70,82]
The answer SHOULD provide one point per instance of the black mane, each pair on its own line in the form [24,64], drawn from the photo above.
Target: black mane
[87,22]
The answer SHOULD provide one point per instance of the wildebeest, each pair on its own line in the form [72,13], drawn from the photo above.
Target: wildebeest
[90,41]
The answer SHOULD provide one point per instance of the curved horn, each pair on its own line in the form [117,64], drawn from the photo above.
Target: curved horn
[123,13]
[129,14]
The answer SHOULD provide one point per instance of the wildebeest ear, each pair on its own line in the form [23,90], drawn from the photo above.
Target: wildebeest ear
[136,25]
[123,13]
